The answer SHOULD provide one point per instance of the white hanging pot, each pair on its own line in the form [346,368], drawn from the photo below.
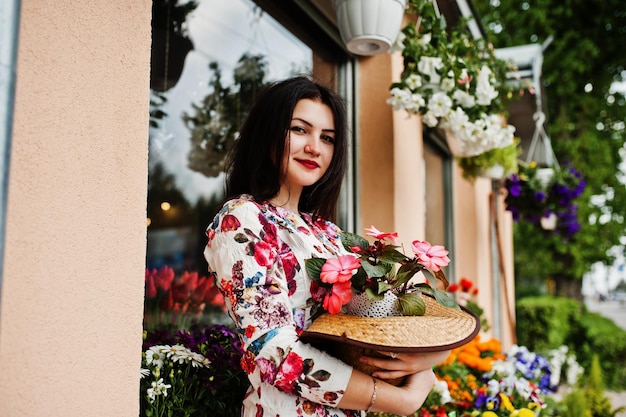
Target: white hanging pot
[369,27]
[494,172]
[549,222]
[545,175]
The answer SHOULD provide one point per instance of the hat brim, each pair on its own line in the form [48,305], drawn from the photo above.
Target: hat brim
[440,328]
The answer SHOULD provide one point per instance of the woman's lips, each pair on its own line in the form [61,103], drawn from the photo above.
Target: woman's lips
[308,164]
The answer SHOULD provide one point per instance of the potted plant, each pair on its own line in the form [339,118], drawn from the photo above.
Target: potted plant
[546,200]
[454,81]
[496,163]
[170,42]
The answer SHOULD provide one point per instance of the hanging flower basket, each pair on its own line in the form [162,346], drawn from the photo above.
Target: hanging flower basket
[455,82]
[494,164]
[543,197]
[369,27]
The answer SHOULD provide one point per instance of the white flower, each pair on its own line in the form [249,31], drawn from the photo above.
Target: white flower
[155,356]
[405,99]
[485,92]
[430,119]
[440,104]
[158,388]
[143,372]
[179,354]
[464,99]
[398,44]
[413,81]
[447,84]
[428,66]
[425,39]
[441,387]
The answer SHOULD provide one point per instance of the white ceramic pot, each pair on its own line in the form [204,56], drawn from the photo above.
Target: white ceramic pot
[369,27]
[361,305]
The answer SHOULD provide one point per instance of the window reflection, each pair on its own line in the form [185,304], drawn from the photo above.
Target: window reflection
[236,50]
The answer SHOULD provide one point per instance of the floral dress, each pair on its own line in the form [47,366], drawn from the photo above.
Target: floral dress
[257,252]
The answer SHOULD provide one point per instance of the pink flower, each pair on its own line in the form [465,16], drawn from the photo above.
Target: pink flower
[340,294]
[432,257]
[374,232]
[339,269]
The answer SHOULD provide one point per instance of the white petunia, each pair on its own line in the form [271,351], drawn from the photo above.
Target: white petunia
[413,81]
[430,119]
[440,104]
[428,66]
[464,99]
[447,84]
[485,92]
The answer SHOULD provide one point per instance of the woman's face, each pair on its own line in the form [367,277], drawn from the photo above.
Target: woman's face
[309,145]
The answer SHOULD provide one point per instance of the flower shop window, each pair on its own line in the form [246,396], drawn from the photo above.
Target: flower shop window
[209,59]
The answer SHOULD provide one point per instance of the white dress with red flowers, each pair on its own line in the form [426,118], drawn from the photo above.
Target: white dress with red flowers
[257,252]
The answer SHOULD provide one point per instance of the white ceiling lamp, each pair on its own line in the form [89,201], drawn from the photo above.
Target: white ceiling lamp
[369,27]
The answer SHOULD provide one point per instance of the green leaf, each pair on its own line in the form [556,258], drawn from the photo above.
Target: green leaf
[411,304]
[350,240]
[445,300]
[373,295]
[383,286]
[375,271]
[314,267]
[391,255]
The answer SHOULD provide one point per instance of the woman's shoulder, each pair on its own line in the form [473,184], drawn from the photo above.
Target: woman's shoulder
[243,206]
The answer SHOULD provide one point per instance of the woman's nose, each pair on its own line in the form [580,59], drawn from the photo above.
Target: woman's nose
[313,147]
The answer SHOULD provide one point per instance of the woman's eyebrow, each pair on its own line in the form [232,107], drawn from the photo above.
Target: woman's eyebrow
[310,124]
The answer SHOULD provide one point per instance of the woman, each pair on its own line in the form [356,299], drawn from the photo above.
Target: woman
[284,179]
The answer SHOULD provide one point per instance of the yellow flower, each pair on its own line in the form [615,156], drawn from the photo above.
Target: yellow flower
[489,414]
[523,412]
[506,403]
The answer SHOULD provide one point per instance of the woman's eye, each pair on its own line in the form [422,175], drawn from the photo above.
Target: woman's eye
[328,139]
[297,129]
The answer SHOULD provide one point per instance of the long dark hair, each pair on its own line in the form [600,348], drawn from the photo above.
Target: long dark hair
[255,164]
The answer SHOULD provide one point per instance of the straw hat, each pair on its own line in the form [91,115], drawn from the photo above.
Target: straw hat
[440,328]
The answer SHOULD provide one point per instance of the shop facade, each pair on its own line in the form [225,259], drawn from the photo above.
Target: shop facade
[88,149]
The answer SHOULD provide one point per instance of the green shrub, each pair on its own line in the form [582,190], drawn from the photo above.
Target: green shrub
[600,336]
[545,323]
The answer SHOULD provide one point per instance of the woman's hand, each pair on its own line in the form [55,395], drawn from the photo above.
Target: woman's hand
[397,365]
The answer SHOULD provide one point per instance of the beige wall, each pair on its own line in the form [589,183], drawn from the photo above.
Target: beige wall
[72,294]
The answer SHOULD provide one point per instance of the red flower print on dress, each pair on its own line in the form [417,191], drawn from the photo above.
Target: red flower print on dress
[230,223]
[289,373]
[263,253]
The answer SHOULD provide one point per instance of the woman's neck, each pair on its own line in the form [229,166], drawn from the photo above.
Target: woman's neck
[287,199]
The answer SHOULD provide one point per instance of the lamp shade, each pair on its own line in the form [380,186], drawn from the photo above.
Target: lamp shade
[369,27]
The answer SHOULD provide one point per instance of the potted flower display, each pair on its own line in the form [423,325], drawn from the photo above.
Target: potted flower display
[496,163]
[546,197]
[377,299]
[455,82]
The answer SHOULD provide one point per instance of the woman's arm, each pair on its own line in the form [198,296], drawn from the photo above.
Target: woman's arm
[404,400]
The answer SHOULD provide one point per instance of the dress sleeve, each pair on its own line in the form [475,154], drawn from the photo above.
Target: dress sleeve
[250,262]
